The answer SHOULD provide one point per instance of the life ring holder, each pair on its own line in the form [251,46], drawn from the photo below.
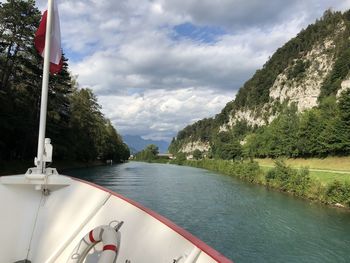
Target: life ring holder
[110,238]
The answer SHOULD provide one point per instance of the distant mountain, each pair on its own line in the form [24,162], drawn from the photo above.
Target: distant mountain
[136,143]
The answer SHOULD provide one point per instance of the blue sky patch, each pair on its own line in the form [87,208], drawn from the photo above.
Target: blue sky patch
[205,34]
[76,56]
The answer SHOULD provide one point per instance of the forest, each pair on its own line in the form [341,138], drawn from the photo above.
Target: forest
[77,128]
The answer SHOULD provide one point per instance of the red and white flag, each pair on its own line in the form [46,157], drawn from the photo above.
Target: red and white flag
[55,49]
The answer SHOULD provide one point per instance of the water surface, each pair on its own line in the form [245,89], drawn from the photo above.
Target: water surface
[246,223]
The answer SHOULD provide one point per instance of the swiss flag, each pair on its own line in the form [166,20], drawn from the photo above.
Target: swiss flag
[55,49]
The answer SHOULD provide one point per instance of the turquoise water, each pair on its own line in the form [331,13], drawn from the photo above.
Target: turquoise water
[244,222]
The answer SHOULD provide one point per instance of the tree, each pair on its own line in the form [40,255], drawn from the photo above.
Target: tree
[153,149]
[113,147]
[19,79]
[180,157]
[310,128]
[18,22]
[329,137]
[344,124]
[197,154]
[85,124]
[149,153]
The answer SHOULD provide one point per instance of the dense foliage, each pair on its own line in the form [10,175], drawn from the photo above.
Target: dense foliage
[319,132]
[148,154]
[78,129]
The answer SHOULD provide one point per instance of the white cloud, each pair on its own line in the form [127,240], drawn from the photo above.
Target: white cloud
[242,14]
[153,84]
[157,114]
[140,64]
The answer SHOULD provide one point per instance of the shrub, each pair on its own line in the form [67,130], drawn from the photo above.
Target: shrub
[180,158]
[279,175]
[338,192]
[287,179]
[300,182]
[247,171]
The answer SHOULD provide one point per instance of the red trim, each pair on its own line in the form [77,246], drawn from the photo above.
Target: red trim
[110,247]
[91,237]
[197,242]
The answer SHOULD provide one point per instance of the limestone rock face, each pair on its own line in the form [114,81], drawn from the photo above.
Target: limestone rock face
[252,117]
[195,145]
[305,91]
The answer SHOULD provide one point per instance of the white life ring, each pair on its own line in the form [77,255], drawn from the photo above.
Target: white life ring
[105,234]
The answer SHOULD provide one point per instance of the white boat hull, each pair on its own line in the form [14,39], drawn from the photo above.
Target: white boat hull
[48,228]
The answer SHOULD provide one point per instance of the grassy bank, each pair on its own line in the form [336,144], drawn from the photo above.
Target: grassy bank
[323,177]
[329,163]
[298,182]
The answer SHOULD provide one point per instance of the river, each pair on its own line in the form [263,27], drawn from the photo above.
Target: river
[246,223]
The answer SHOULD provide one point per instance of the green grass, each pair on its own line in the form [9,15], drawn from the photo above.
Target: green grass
[329,177]
[324,177]
[329,163]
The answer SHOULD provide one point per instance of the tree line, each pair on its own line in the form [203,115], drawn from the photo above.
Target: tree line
[150,153]
[75,124]
[319,132]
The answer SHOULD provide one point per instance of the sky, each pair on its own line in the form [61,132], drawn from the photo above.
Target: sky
[157,66]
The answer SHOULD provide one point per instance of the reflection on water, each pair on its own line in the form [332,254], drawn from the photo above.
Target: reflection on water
[246,223]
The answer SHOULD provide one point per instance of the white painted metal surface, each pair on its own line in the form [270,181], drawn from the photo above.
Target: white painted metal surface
[47,228]
[40,163]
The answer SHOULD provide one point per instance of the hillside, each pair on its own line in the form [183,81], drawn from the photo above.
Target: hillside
[296,105]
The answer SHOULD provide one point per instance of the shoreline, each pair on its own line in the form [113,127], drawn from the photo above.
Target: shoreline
[308,190]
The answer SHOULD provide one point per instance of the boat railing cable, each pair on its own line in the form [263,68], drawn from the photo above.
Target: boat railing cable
[34,225]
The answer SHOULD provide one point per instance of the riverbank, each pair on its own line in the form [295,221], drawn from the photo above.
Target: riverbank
[20,167]
[298,182]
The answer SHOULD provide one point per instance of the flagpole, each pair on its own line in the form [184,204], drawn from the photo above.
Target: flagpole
[40,164]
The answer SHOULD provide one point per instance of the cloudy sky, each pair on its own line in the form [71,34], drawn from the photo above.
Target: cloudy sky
[159,65]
